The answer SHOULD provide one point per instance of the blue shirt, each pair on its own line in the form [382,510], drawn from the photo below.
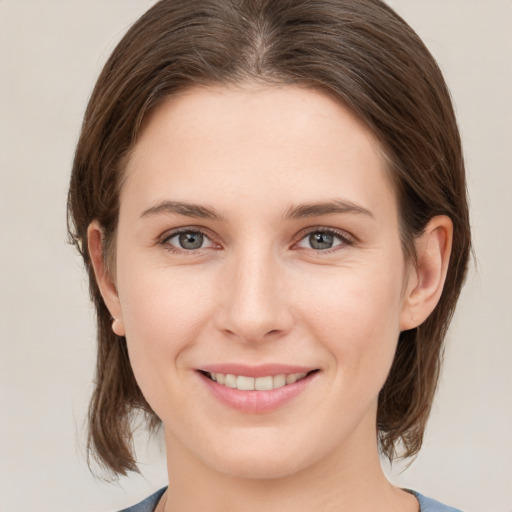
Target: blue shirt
[426,504]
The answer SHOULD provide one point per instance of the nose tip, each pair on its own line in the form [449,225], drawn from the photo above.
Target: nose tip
[254,305]
[251,332]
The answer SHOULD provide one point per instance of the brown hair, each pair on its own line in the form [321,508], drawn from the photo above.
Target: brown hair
[361,52]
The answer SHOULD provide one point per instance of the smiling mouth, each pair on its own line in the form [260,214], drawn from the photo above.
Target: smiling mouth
[264,383]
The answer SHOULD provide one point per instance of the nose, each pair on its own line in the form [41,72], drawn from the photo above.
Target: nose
[253,303]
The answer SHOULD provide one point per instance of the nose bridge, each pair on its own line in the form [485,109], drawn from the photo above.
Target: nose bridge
[254,305]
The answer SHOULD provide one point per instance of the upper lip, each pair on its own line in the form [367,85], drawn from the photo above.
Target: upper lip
[255,371]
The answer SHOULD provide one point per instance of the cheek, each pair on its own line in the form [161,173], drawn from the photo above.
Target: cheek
[163,313]
[356,315]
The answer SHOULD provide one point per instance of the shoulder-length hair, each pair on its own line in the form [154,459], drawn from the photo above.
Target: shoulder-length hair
[358,51]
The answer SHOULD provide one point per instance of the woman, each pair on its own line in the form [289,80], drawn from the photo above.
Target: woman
[269,197]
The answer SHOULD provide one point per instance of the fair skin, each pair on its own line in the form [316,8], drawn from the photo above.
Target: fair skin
[261,284]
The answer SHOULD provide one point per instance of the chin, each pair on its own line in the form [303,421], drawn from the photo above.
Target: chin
[259,467]
[262,457]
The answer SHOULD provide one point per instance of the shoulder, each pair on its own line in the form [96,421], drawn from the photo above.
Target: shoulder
[430,505]
[147,505]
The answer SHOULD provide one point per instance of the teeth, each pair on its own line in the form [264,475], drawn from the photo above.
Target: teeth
[279,381]
[245,383]
[266,383]
[290,379]
[230,381]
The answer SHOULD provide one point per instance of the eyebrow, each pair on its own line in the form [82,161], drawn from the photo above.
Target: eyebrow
[336,206]
[182,208]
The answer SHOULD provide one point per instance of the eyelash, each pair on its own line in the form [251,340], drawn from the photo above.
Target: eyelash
[342,236]
[164,240]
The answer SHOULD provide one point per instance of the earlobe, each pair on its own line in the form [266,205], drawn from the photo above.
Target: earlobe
[104,278]
[426,279]
[118,327]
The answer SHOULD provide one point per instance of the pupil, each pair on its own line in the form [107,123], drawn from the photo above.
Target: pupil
[191,240]
[321,240]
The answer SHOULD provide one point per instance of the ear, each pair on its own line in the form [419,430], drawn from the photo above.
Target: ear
[105,280]
[426,279]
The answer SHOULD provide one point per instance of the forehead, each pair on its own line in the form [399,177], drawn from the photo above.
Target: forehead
[253,141]
[273,114]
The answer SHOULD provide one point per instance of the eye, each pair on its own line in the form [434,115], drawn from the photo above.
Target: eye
[187,240]
[324,240]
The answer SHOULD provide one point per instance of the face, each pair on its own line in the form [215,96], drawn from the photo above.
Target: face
[260,278]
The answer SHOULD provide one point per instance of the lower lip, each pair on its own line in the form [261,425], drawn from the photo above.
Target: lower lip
[257,402]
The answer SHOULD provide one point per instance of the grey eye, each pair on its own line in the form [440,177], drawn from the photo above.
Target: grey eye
[321,241]
[190,240]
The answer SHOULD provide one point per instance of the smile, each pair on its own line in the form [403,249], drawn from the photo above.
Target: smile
[264,383]
[257,389]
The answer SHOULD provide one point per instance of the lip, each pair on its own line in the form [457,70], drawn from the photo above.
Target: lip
[257,402]
[255,371]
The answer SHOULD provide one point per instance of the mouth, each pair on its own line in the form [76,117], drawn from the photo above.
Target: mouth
[261,383]
[257,389]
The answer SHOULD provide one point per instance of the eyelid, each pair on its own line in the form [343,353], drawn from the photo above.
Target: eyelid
[346,238]
[166,236]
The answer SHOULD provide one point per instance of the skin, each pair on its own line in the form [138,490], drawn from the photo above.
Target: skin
[257,291]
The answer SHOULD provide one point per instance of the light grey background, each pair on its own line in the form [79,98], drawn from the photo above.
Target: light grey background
[50,55]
